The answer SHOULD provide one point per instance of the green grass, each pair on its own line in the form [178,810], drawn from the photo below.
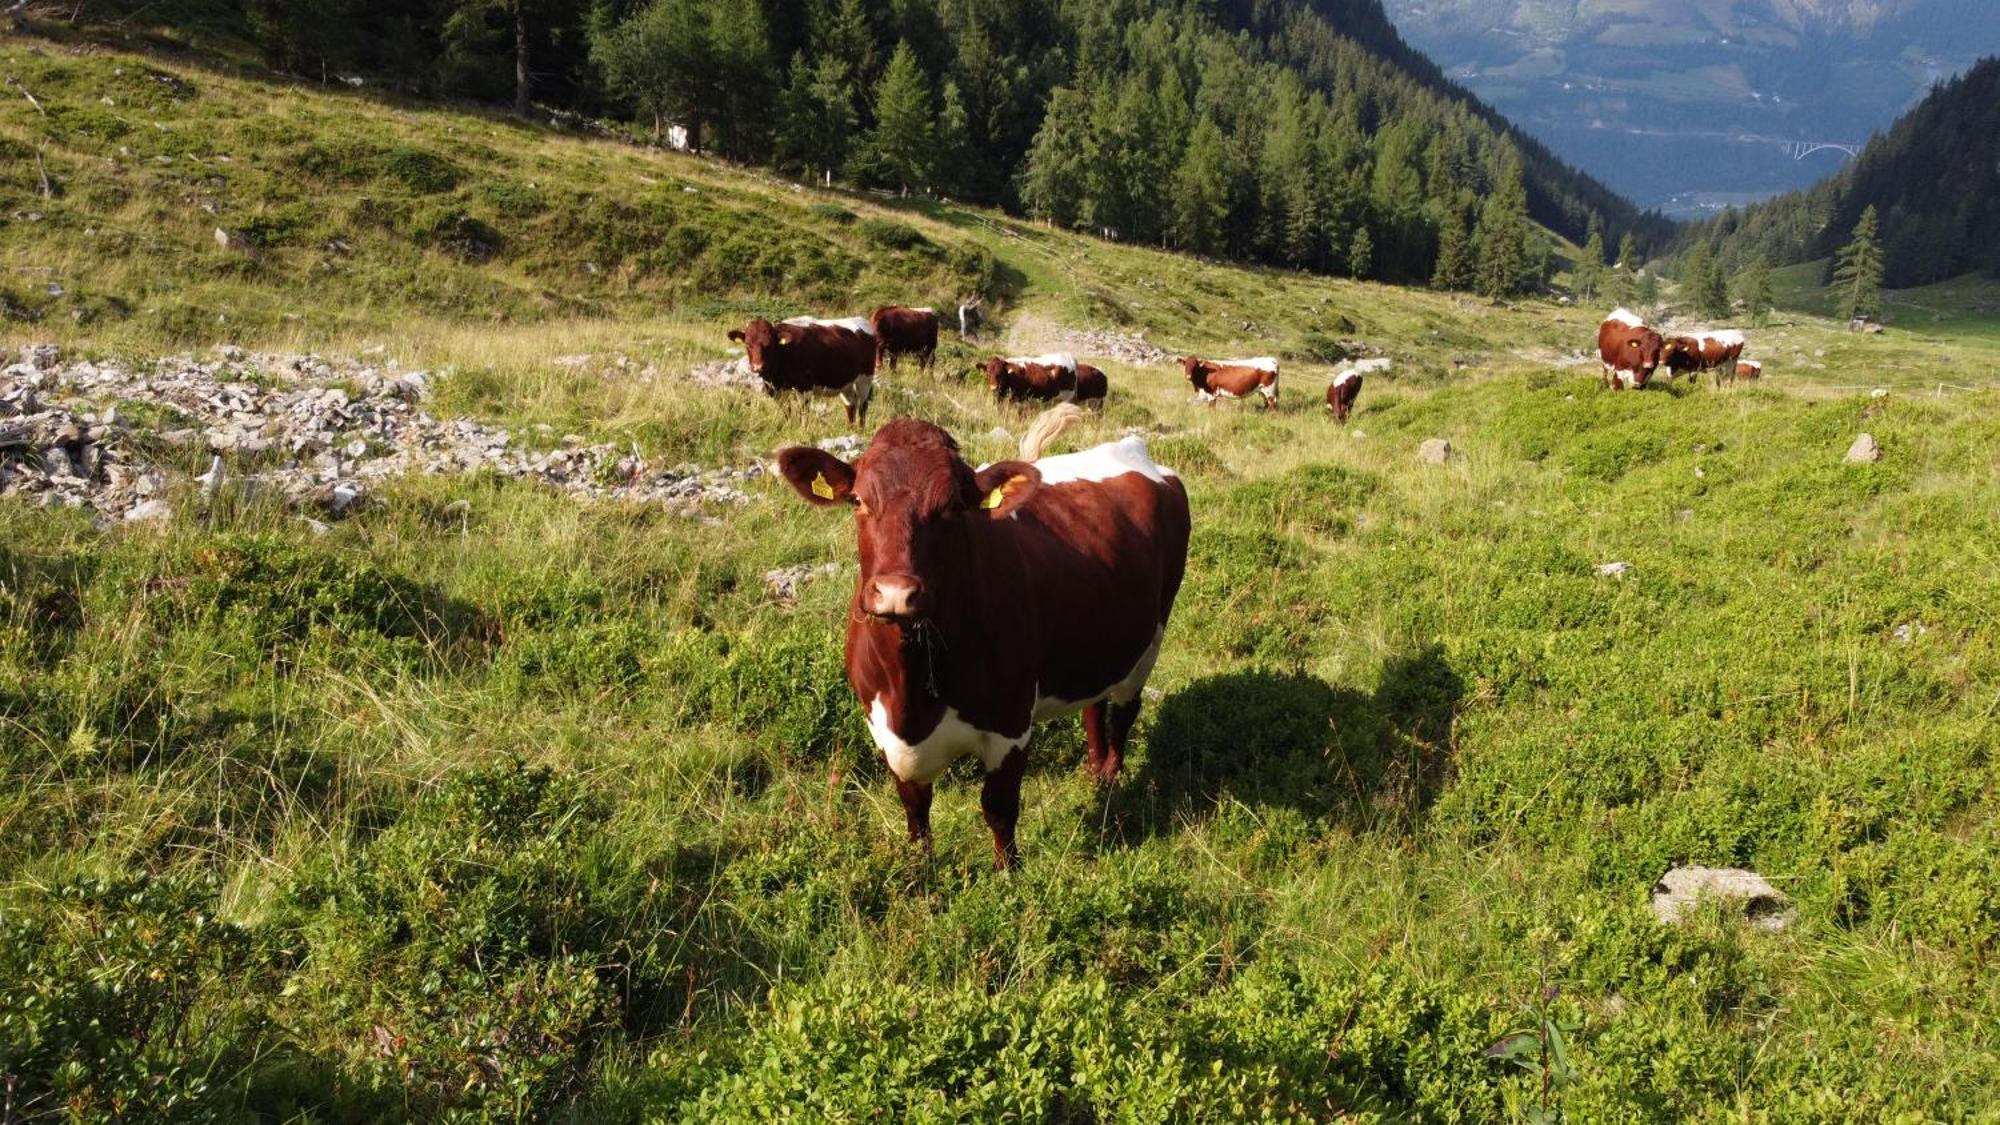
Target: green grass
[544,809]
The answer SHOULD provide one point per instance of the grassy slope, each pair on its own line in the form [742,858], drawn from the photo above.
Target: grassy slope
[1413,759]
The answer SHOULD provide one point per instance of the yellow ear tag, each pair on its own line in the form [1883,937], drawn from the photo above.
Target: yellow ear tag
[994,498]
[820,488]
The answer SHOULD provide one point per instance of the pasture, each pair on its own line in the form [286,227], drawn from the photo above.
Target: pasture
[487,803]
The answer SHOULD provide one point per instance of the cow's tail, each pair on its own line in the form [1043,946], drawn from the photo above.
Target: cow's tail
[1046,426]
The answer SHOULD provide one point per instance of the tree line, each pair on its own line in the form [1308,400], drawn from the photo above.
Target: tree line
[1305,135]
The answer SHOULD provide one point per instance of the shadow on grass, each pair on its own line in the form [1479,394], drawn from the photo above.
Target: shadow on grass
[1274,739]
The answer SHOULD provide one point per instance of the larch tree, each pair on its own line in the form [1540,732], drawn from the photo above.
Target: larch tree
[1754,287]
[1857,277]
[898,149]
[1455,263]
[1203,190]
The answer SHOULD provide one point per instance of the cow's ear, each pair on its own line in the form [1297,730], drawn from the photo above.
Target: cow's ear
[789,334]
[818,476]
[1005,486]
[736,334]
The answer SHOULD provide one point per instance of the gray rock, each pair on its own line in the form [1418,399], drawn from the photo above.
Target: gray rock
[149,510]
[1864,451]
[1680,889]
[1434,451]
[1614,569]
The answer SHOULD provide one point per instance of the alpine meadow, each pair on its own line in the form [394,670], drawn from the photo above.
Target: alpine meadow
[423,697]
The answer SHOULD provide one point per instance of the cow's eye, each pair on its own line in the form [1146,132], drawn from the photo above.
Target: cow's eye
[861,507]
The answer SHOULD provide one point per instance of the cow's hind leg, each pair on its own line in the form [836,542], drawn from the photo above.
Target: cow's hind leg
[1106,725]
[1000,801]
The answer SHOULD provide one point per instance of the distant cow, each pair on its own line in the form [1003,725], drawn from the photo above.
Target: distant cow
[1630,350]
[807,354]
[1038,378]
[992,599]
[1233,378]
[1091,386]
[1341,393]
[900,332]
[968,318]
[1749,369]
[1704,351]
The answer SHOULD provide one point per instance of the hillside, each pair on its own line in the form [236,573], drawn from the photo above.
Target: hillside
[1711,92]
[1933,178]
[526,784]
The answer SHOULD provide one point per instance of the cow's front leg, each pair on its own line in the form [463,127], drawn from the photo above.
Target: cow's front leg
[916,797]
[1000,801]
[1106,726]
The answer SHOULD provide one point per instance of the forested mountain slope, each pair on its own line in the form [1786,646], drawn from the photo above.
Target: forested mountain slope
[1934,180]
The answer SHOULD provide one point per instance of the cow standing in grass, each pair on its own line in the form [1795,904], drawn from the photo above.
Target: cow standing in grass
[1233,378]
[808,354]
[903,331]
[1341,393]
[1704,351]
[991,599]
[1039,378]
[1091,386]
[1630,350]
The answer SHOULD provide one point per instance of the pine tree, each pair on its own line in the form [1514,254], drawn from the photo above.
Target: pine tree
[816,116]
[660,59]
[1455,265]
[1694,270]
[954,142]
[1628,251]
[1202,190]
[1589,274]
[898,150]
[1857,280]
[1712,289]
[1054,177]
[1755,288]
[1506,266]
[1360,253]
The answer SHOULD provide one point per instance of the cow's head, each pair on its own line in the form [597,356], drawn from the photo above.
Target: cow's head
[1197,371]
[1680,350]
[996,375]
[915,500]
[1644,351]
[760,339]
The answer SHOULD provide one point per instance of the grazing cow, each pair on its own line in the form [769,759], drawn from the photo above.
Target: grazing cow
[1341,393]
[1704,351]
[1233,378]
[806,354]
[1749,369]
[991,599]
[900,332]
[1042,378]
[1091,386]
[1629,350]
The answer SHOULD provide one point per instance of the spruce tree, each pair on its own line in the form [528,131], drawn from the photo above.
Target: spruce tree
[1628,251]
[1454,261]
[1202,190]
[1857,280]
[816,116]
[1589,274]
[1712,289]
[1053,178]
[1694,271]
[898,149]
[1754,286]
[954,141]
[1506,266]
[1361,253]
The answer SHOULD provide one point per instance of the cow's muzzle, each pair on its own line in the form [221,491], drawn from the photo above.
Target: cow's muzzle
[895,597]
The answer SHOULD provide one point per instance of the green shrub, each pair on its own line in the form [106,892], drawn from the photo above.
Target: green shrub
[832,212]
[891,235]
[425,173]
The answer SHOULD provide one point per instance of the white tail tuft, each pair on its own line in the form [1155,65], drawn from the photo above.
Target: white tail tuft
[1046,426]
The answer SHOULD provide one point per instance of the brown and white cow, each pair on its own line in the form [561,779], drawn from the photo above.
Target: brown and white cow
[903,331]
[1749,369]
[1341,393]
[1629,350]
[1704,351]
[991,599]
[1038,378]
[808,354]
[1091,386]
[1233,378]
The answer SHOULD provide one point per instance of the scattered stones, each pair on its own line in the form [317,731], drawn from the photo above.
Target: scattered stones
[1434,451]
[1132,348]
[1614,569]
[1909,631]
[65,439]
[783,584]
[1864,451]
[1680,889]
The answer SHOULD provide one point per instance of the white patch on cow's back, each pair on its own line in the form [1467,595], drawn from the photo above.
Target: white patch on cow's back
[1626,317]
[1345,376]
[851,323]
[1728,337]
[1052,359]
[1260,362]
[952,739]
[924,309]
[1103,462]
[1124,691]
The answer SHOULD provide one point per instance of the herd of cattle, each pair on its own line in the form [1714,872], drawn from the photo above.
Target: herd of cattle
[991,598]
[805,353]
[1631,352]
